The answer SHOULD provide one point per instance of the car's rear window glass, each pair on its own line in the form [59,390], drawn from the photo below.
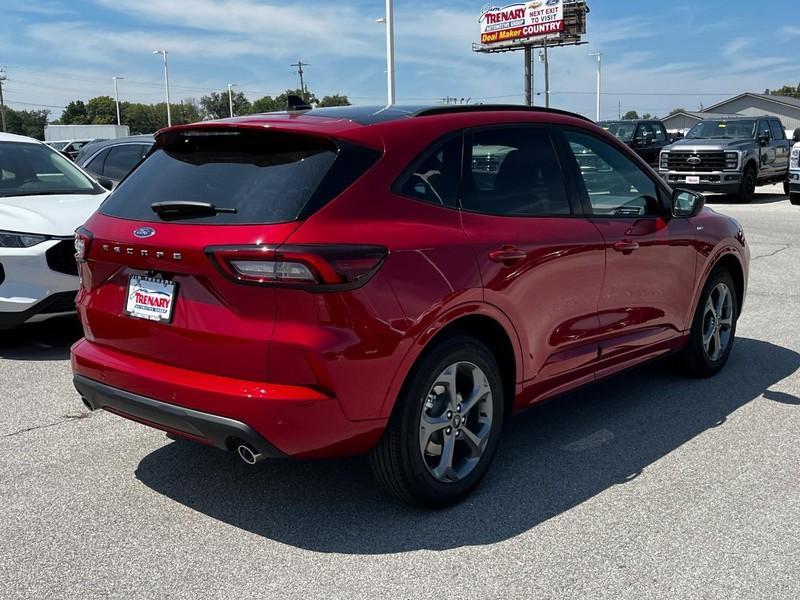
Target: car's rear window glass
[267,177]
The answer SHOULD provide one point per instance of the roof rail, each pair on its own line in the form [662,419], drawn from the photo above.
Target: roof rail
[467,108]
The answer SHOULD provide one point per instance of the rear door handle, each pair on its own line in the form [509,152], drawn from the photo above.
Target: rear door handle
[626,247]
[508,255]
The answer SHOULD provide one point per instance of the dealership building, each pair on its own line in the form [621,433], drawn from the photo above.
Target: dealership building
[749,105]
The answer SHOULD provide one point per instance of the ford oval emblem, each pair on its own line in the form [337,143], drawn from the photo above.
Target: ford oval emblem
[694,160]
[144,232]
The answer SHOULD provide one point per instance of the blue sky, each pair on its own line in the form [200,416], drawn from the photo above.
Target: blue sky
[658,55]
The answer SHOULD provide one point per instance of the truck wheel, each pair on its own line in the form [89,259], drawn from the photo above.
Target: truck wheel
[445,428]
[747,189]
[794,199]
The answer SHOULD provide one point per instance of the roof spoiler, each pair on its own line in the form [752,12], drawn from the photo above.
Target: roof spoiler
[296,103]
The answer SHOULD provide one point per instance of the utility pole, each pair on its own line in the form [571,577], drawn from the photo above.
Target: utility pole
[2,102]
[543,56]
[116,98]
[230,96]
[300,64]
[599,56]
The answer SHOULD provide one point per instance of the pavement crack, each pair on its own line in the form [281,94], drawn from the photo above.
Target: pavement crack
[771,254]
[64,419]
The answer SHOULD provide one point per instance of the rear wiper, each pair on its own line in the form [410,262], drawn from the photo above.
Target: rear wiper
[181,209]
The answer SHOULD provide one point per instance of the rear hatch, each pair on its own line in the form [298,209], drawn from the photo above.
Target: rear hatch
[153,285]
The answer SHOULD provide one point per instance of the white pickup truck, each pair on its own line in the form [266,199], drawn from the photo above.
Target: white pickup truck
[794,170]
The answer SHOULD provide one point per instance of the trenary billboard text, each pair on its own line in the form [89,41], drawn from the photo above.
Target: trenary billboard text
[521,23]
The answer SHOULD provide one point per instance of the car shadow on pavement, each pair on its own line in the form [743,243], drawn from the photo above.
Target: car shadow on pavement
[552,458]
[49,340]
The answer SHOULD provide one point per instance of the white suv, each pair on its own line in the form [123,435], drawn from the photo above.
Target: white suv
[794,170]
[43,198]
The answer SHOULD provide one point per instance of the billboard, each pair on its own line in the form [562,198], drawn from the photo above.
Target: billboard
[521,23]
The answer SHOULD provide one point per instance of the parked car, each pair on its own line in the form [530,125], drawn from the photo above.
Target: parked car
[43,198]
[732,155]
[69,148]
[110,161]
[794,170]
[646,137]
[333,282]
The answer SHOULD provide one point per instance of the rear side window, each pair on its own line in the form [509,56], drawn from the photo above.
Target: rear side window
[436,176]
[513,171]
[96,164]
[121,160]
[266,177]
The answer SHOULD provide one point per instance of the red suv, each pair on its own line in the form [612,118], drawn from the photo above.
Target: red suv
[395,281]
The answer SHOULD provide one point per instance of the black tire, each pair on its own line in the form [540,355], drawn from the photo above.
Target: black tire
[397,461]
[695,356]
[747,188]
[794,199]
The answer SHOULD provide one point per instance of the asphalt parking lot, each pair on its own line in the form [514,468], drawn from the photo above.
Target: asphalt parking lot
[650,485]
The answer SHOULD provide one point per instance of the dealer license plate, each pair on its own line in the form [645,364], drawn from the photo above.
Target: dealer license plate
[150,298]
[695,179]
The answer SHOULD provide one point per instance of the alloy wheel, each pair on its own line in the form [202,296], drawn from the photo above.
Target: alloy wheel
[456,422]
[717,322]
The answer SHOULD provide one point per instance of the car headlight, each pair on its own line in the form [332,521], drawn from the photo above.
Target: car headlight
[10,239]
[796,157]
[732,160]
[664,164]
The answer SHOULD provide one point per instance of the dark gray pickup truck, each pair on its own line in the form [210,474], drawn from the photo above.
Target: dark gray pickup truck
[731,156]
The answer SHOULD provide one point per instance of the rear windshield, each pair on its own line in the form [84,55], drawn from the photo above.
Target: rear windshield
[621,129]
[263,177]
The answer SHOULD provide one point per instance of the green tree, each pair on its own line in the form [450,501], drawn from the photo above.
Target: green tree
[787,90]
[75,114]
[217,105]
[631,115]
[101,111]
[677,110]
[335,100]
[647,116]
[27,122]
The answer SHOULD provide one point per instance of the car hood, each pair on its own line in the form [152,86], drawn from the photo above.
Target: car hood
[712,144]
[48,215]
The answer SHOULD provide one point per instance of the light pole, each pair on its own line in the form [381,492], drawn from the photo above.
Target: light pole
[2,102]
[388,20]
[116,98]
[599,56]
[230,96]
[166,83]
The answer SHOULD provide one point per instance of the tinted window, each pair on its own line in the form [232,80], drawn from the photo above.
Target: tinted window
[615,184]
[763,129]
[31,169]
[661,133]
[777,130]
[624,130]
[121,160]
[96,164]
[513,172]
[265,177]
[436,176]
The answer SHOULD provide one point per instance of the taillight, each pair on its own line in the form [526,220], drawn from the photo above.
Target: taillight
[83,239]
[323,266]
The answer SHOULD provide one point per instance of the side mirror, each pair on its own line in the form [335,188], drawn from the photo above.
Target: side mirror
[763,138]
[687,204]
[796,136]
[105,182]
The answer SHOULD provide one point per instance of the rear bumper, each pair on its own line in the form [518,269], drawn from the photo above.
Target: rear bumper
[214,430]
[279,420]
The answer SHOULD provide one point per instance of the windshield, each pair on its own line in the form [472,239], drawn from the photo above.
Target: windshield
[57,145]
[622,129]
[35,169]
[728,130]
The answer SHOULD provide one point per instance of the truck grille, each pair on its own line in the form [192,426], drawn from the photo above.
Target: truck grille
[709,161]
[61,258]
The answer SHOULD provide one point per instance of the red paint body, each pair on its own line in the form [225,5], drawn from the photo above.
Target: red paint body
[318,374]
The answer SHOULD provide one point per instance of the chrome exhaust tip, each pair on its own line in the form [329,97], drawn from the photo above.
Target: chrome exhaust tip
[248,454]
